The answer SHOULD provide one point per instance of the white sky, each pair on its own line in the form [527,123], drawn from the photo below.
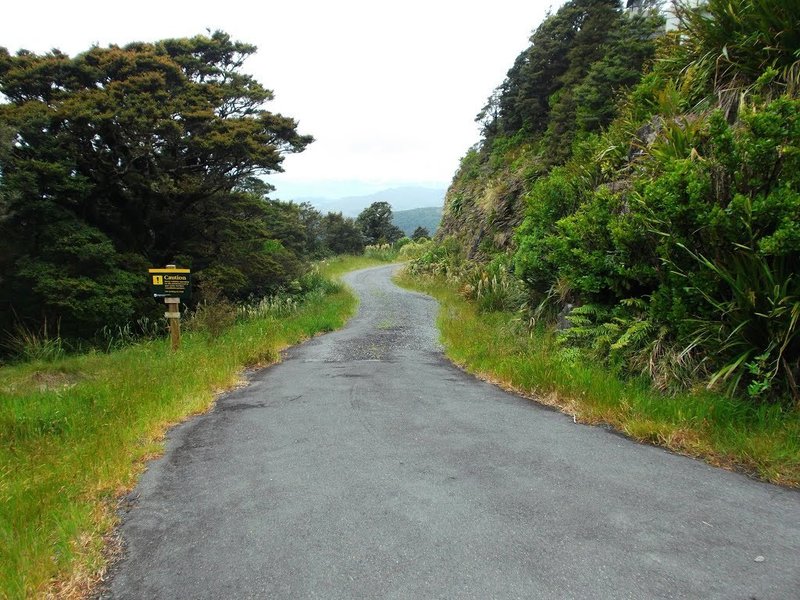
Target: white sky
[388,89]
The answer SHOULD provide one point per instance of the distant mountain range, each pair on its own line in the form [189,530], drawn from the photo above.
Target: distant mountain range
[409,220]
[401,199]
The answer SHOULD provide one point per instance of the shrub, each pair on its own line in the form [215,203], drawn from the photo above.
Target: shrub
[314,282]
[691,258]
[402,242]
[493,286]
[215,314]
[384,252]
[551,198]
[415,250]
[443,258]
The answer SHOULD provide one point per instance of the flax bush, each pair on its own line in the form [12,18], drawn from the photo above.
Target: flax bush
[691,261]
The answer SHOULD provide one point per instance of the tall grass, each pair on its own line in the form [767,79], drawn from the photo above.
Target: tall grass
[31,344]
[75,433]
[402,250]
[761,439]
[381,252]
[414,249]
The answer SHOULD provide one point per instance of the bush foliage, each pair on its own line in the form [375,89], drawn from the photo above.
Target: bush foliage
[669,240]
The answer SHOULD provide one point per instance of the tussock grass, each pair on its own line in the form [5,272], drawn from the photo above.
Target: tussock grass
[75,433]
[760,439]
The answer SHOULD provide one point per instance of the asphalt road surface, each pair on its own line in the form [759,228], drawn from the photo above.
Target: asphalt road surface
[366,466]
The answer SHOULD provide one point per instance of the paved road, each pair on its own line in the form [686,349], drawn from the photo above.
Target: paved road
[366,466]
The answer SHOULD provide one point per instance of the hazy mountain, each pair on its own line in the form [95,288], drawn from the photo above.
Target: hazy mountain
[409,220]
[401,199]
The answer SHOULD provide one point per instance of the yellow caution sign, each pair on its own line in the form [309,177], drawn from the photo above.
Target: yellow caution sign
[171,282]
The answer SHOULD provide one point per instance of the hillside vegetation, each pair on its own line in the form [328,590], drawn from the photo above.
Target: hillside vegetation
[409,220]
[640,188]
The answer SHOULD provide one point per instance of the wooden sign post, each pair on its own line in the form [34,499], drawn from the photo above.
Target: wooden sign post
[173,285]
[173,315]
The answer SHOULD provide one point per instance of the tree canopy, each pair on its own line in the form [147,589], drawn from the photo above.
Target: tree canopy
[342,235]
[126,157]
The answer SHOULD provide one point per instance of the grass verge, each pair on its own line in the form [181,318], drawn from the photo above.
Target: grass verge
[75,434]
[339,265]
[761,440]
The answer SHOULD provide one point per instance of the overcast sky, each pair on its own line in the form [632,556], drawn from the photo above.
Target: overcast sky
[388,89]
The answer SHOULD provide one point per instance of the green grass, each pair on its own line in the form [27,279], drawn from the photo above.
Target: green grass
[761,440]
[75,434]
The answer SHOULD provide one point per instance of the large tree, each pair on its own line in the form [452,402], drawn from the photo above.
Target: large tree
[120,158]
[342,235]
[376,224]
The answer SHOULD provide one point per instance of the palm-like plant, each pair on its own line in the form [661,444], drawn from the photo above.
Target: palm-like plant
[754,339]
[733,42]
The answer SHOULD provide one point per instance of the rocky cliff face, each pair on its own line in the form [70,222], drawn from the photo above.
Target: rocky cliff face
[483,206]
[487,199]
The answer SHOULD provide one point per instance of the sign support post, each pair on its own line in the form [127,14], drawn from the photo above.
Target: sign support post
[173,315]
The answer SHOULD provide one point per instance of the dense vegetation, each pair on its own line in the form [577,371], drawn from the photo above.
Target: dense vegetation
[641,188]
[124,158]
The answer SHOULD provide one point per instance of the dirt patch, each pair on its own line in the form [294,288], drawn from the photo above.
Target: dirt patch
[51,380]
